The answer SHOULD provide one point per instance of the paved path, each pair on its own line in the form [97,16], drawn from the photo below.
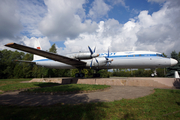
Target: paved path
[114,93]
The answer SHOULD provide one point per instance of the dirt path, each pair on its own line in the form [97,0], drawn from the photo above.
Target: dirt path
[114,93]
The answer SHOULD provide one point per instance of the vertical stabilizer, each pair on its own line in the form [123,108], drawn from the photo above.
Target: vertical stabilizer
[176,75]
[37,46]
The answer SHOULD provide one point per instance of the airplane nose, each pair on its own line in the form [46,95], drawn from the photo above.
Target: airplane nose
[173,62]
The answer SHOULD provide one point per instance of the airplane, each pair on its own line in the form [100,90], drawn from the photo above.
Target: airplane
[96,61]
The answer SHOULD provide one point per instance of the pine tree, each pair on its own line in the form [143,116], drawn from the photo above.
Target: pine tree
[53,48]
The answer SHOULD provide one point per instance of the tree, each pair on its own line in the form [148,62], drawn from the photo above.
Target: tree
[53,48]
[164,55]
[104,73]
[7,58]
[27,68]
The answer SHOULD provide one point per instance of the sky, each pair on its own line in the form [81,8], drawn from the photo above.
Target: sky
[73,25]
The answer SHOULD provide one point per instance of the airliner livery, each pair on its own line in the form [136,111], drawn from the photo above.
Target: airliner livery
[97,61]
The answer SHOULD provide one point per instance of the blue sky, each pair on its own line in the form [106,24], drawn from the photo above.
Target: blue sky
[123,14]
[121,25]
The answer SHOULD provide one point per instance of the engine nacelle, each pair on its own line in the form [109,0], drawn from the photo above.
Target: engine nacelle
[85,55]
[101,62]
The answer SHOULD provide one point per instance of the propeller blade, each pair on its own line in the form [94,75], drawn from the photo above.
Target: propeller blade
[108,52]
[94,50]
[91,63]
[106,58]
[96,60]
[90,50]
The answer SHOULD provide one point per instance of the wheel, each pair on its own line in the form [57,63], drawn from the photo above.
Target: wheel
[81,75]
[77,75]
[152,75]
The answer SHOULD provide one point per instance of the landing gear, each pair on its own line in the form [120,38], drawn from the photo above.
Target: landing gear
[154,74]
[96,75]
[79,75]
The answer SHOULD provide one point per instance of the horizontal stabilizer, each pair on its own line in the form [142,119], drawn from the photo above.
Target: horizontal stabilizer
[24,61]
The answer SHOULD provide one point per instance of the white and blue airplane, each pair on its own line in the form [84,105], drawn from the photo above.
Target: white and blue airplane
[109,60]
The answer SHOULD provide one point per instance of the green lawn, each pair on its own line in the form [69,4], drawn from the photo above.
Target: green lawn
[69,88]
[11,81]
[163,104]
[12,85]
[21,86]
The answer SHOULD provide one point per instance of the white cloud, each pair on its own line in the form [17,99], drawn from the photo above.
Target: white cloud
[9,19]
[110,34]
[117,2]
[44,41]
[99,10]
[157,32]
[31,13]
[20,16]
[65,20]
[157,1]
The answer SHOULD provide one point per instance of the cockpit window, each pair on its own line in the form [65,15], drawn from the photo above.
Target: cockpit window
[160,55]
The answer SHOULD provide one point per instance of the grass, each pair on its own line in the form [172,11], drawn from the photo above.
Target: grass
[21,86]
[13,84]
[163,104]
[69,88]
[7,84]
[11,81]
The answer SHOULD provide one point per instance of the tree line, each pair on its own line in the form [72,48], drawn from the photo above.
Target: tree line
[11,69]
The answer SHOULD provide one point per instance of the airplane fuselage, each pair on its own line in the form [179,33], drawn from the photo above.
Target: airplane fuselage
[130,59]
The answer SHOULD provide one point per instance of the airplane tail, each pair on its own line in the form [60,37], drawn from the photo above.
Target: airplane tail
[176,75]
[37,46]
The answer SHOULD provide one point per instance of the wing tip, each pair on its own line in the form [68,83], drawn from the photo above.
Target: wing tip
[9,44]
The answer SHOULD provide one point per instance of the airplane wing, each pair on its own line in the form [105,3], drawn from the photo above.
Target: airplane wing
[49,55]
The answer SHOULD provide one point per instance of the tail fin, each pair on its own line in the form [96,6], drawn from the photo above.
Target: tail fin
[37,46]
[176,75]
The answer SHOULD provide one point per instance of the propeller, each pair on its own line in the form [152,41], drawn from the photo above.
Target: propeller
[107,59]
[93,55]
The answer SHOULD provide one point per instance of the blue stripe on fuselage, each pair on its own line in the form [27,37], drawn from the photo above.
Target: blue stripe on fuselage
[42,60]
[135,56]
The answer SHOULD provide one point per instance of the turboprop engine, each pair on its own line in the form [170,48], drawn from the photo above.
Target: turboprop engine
[99,62]
[85,56]
[90,55]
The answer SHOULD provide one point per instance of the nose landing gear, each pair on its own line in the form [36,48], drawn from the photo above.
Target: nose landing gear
[154,74]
